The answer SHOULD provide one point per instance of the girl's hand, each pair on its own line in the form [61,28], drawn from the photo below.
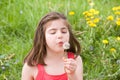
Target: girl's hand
[70,65]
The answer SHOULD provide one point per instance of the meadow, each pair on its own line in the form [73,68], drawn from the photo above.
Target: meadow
[96,24]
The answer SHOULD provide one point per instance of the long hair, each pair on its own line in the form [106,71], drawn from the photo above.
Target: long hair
[38,51]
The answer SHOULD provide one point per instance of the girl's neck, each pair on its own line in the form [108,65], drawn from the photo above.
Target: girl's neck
[55,55]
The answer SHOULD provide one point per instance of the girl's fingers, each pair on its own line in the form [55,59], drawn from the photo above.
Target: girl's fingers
[70,65]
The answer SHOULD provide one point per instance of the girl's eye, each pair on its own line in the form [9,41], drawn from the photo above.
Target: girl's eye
[64,31]
[52,32]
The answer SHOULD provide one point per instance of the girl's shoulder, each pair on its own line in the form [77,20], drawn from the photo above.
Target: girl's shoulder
[29,72]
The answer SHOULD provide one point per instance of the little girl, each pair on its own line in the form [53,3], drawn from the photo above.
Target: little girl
[46,60]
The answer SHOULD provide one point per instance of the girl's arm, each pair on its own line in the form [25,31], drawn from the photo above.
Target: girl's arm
[74,68]
[27,72]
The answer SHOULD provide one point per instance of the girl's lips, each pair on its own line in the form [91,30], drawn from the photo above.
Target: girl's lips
[60,43]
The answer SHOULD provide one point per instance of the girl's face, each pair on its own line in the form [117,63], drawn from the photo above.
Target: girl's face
[56,34]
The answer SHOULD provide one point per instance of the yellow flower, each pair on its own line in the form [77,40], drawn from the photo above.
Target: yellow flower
[118,19]
[117,12]
[87,19]
[96,12]
[92,10]
[105,41]
[96,20]
[92,24]
[118,23]
[86,12]
[118,38]
[71,13]
[112,50]
[116,8]
[89,14]
[110,18]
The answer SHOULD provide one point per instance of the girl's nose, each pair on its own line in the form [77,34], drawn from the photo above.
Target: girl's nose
[59,35]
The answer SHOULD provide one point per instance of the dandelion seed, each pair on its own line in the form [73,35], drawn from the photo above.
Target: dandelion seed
[105,41]
[66,45]
[21,12]
[3,67]
[118,61]
[91,48]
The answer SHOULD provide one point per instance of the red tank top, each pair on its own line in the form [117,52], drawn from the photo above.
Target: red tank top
[42,75]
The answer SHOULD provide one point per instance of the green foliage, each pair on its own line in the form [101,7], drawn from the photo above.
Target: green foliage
[100,41]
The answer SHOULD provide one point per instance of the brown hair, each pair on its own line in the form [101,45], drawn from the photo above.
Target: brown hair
[38,51]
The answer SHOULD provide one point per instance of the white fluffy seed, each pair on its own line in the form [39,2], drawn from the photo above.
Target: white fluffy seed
[66,45]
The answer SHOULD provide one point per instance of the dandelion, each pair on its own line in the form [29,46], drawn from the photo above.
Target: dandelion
[112,50]
[91,17]
[92,24]
[92,10]
[21,12]
[91,3]
[116,8]
[87,19]
[118,38]
[118,61]
[118,19]
[71,13]
[86,12]
[110,18]
[96,20]
[118,23]
[105,41]
[96,12]
[117,13]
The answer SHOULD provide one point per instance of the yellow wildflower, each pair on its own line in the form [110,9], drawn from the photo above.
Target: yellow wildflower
[96,12]
[118,38]
[92,17]
[96,20]
[86,12]
[71,13]
[118,23]
[105,41]
[87,19]
[92,10]
[112,50]
[89,14]
[89,22]
[92,24]
[110,18]
[116,8]
[117,12]
[118,19]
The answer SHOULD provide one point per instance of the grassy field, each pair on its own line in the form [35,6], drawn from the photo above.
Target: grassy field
[96,24]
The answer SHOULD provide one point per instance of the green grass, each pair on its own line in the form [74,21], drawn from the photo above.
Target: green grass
[18,21]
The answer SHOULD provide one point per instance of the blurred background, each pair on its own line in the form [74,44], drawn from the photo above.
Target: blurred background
[96,24]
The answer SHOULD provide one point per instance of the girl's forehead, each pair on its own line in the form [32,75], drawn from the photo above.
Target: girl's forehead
[59,23]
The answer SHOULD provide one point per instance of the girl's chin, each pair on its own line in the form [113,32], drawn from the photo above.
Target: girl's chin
[60,50]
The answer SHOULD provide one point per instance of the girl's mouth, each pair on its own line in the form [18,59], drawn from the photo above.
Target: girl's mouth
[60,43]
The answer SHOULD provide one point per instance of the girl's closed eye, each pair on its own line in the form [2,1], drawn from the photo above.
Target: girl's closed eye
[64,30]
[52,32]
